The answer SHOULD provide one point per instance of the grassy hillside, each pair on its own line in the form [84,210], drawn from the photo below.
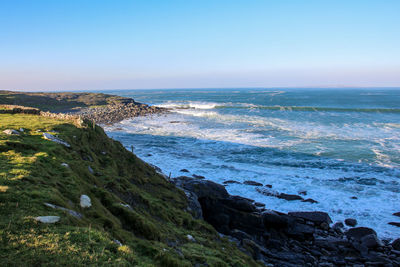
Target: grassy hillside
[153,229]
[58,102]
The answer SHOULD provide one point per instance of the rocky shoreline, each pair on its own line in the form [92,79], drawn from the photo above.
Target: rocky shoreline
[118,111]
[286,239]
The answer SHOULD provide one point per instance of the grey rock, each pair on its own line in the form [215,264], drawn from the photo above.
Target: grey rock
[184,170]
[85,201]
[231,182]
[396,244]
[47,219]
[70,212]
[90,170]
[395,224]
[57,140]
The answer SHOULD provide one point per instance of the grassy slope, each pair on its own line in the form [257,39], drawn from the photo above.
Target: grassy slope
[57,102]
[31,174]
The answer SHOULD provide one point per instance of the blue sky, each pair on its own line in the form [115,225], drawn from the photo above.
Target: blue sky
[67,45]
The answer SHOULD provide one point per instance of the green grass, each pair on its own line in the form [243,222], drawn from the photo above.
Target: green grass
[31,174]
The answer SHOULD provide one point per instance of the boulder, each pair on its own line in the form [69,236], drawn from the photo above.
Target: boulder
[371,241]
[310,200]
[300,231]
[316,217]
[274,219]
[194,204]
[289,197]
[85,201]
[358,233]
[205,188]
[184,170]
[239,203]
[396,244]
[253,183]
[397,214]
[47,219]
[350,222]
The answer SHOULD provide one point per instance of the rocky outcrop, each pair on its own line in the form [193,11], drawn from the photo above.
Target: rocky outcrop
[118,111]
[287,239]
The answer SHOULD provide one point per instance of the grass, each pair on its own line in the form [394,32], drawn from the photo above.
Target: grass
[153,231]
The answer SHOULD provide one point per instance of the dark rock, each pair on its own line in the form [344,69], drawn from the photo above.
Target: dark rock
[354,197]
[304,193]
[300,231]
[258,204]
[268,185]
[395,224]
[240,203]
[371,241]
[397,214]
[310,200]
[194,205]
[275,220]
[350,222]
[239,234]
[396,244]
[253,183]
[231,182]
[184,170]
[198,176]
[317,217]
[205,188]
[289,197]
[358,233]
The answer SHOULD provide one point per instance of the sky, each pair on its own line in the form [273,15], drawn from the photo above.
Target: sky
[101,44]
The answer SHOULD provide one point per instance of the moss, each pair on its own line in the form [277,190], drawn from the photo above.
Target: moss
[152,228]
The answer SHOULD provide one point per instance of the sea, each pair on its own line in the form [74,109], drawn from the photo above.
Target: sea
[340,146]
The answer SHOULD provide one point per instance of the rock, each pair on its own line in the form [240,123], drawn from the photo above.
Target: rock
[231,182]
[194,204]
[310,200]
[300,231]
[198,176]
[304,193]
[21,130]
[11,132]
[116,241]
[253,183]
[205,188]
[47,219]
[354,197]
[317,217]
[396,244]
[90,170]
[358,233]
[268,185]
[240,235]
[275,220]
[395,224]
[259,205]
[371,241]
[240,203]
[85,201]
[191,238]
[350,222]
[70,212]
[126,205]
[57,140]
[397,214]
[289,197]
[338,225]
[184,170]
[65,164]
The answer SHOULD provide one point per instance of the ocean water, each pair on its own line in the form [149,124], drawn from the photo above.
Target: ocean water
[333,143]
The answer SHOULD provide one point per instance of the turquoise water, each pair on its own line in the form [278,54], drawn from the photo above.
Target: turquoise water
[332,143]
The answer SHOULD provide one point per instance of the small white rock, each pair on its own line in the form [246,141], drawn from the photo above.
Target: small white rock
[191,238]
[55,139]
[85,201]
[116,241]
[47,219]
[11,132]
[65,164]
[21,129]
